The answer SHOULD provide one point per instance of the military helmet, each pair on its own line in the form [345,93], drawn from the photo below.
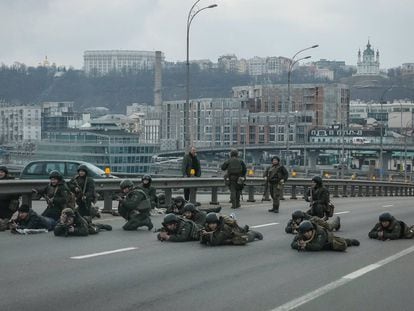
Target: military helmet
[234,153]
[298,215]
[385,217]
[83,167]
[68,212]
[170,219]
[55,174]
[4,169]
[317,179]
[146,177]
[126,184]
[305,226]
[212,218]
[189,207]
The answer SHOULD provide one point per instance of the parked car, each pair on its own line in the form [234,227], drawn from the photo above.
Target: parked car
[68,168]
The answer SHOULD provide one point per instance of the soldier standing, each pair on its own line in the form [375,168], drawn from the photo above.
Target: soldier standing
[318,196]
[312,237]
[177,229]
[83,187]
[276,177]
[235,176]
[134,206]
[191,168]
[389,228]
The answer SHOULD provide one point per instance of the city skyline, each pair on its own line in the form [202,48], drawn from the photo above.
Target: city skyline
[62,30]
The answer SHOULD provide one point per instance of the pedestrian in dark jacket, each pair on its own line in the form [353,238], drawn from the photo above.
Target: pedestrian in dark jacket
[177,229]
[191,168]
[29,219]
[318,197]
[276,177]
[223,230]
[389,228]
[312,237]
[8,202]
[235,176]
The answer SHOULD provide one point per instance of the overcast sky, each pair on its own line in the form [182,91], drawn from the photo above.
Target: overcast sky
[64,29]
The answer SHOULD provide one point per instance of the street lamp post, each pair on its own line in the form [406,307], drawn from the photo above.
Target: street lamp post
[191,14]
[288,108]
[381,164]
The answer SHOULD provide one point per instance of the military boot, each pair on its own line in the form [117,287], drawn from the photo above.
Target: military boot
[336,224]
[352,242]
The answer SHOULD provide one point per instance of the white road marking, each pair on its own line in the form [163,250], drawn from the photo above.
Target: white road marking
[265,225]
[105,253]
[343,280]
[344,212]
[391,205]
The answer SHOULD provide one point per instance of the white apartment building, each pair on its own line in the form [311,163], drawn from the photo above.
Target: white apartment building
[20,123]
[101,62]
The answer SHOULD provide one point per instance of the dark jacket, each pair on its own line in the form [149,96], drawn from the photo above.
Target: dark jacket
[32,221]
[225,234]
[322,240]
[199,217]
[191,162]
[234,161]
[319,199]
[87,188]
[80,226]
[6,202]
[57,197]
[393,232]
[132,202]
[186,230]
[151,192]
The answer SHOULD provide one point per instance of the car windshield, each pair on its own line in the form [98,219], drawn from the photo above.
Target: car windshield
[94,169]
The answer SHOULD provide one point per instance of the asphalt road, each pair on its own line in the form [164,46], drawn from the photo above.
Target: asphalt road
[39,272]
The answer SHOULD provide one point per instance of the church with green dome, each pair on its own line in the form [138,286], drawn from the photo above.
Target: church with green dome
[369,65]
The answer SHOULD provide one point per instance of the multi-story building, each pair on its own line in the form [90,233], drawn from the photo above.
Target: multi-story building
[19,124]
[228,62]
[102,62]
[61,115]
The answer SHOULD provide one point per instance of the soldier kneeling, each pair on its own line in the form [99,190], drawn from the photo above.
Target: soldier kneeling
[223,230]
[177,229]
[299,216]
[312,237]
[389,228]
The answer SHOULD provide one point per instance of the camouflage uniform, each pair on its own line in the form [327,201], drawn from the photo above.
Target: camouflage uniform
[56,197]
[236,169]
[135,208]
[276,176]
[185,230]
[8,202]
[294,223]
[318,198]
[86,194]
[79,225]
[396,229]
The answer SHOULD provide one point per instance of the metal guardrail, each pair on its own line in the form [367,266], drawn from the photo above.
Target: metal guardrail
[294,186]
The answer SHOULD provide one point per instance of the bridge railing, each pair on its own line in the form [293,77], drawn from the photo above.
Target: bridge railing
[293,187]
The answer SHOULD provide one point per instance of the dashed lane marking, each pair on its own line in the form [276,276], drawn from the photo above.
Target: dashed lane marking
[342,281]
[265,225]
[344,212]
[105,253]
[390,205]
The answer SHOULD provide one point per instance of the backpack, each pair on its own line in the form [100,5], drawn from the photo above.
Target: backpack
[234,167]
[195,231]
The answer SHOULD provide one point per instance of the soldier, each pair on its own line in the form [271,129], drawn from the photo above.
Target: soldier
[177,229]
[71,223]
[134,206]
[28,219]
[176,206]
[312,237]
[318,196]
[149,190]
[83,187]
[276,177]
[235,176]
[192,213]
[56,194]
[299,216]
[389,228]
[8,202]
[223,230]
[191,168]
